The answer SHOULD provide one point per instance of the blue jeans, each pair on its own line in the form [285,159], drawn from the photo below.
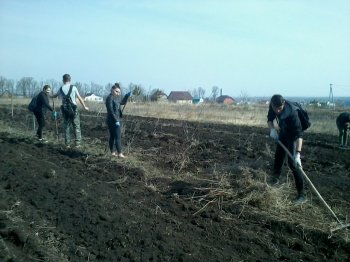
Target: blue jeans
[115,137]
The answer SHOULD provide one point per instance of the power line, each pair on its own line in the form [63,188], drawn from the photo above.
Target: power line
[341,85]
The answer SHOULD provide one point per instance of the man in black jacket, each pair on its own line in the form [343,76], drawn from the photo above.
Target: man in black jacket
[290,135]
[42,104]
[343,124]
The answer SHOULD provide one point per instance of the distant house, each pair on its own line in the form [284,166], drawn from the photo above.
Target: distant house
[182,97]
[93,98]
[6,93]
[197,100]
[225,100]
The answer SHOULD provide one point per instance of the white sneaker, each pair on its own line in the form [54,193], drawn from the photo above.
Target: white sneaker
[42,140]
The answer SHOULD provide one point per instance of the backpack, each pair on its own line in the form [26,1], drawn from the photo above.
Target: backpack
[32,104]
[303,115]
[68,108]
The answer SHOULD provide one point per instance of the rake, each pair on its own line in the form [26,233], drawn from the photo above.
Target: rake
[55,117]
[341,224]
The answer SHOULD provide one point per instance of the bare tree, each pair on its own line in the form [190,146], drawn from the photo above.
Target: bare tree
[198,92]
[214,93]
[108,88]
[26,86]
[244,96]
[79,86]
[10,83]
[85,89]
[6,85]
[36,88]
[3,81]
[97,89]
[201,92]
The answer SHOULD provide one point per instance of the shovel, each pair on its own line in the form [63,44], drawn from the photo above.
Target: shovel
[125,100]
[55,117]
[341,225]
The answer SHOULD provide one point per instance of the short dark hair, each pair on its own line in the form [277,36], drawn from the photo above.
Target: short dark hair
[115,86]
[46,87]
[66,78]
[277,100]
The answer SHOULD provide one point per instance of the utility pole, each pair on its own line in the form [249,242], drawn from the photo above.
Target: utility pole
[330,97]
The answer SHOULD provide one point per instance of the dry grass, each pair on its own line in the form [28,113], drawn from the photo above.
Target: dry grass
[323,120]
[253,195]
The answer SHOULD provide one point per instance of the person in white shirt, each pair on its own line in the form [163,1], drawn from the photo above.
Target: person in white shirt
[75,120]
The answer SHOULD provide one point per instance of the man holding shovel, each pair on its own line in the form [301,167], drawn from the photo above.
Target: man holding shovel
[290,135]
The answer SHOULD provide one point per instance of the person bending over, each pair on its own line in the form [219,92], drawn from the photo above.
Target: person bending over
[290,135]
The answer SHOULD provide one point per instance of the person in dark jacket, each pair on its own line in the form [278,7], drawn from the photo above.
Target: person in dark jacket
[290,135]
[343,124]
[42,104]
[114,117]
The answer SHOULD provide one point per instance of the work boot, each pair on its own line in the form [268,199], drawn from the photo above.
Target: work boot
[42,140]
[301,199]
[274,181]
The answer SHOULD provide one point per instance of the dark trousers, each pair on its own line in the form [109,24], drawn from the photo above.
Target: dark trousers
[280,157]
[343,135]
[115,137]
[41,123]
[70,123]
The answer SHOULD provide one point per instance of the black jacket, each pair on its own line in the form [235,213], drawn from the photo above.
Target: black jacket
[288,121]
[42,103]
[343,120]
[114,110]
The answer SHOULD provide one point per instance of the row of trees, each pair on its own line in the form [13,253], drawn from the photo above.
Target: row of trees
[200,93]
[28,87]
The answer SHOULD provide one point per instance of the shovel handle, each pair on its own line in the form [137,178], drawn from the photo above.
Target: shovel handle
[311,184]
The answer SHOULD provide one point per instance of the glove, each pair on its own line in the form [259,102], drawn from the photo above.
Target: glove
[117,124]
[274,134]
[297,159]
[55,114]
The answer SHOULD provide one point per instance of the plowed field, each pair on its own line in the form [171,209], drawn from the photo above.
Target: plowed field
[186,192]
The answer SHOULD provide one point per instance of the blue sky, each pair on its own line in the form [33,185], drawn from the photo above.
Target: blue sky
[250,47]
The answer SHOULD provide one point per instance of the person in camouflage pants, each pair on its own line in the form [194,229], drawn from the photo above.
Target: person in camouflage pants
[71,122]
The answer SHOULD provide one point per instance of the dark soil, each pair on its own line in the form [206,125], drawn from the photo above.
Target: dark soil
[165,201]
